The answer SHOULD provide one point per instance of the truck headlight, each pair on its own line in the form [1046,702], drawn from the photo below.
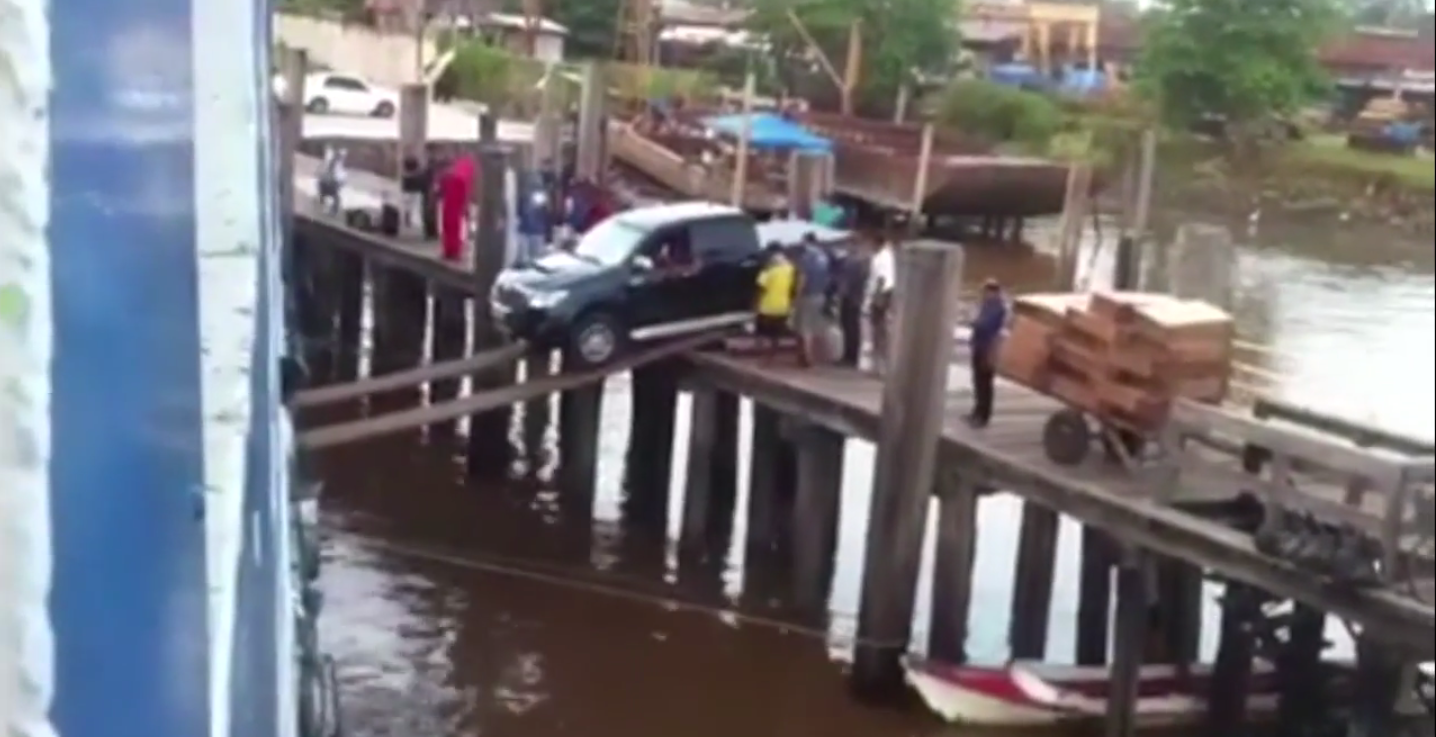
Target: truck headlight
[547,300]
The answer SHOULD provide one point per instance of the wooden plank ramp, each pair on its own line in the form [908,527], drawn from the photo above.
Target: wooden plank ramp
[324,395]
[397,422]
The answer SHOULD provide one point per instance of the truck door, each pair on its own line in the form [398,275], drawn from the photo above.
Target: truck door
[731,256]
[660,295]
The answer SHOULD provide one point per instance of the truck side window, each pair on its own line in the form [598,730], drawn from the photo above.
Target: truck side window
[672,248]
[725,239]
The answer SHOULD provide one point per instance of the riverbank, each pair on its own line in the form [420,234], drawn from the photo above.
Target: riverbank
[1319,177]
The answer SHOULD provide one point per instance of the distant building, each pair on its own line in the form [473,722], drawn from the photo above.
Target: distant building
[1111,34]
[480,17]
[509,31]
[683,13]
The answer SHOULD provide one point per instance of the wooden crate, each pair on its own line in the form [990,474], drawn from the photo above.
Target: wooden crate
[1025,355]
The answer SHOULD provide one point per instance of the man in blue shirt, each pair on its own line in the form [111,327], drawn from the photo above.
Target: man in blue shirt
[809,320]
[986,340]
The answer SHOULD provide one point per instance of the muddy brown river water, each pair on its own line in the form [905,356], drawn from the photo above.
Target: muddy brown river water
[605,634]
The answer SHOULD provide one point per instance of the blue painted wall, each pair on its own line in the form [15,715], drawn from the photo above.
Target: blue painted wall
[129,595]
[129,598]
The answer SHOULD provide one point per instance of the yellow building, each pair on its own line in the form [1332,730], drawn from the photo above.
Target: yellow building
[1046,31]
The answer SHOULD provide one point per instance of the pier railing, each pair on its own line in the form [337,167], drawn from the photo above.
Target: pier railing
[1313,480]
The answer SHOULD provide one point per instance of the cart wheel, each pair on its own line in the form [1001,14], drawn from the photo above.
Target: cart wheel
[1066,437]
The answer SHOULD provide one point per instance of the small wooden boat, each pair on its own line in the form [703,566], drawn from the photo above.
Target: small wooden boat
[1027,694]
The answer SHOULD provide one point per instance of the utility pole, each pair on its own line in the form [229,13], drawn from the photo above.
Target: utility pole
[533,19]
[417,17]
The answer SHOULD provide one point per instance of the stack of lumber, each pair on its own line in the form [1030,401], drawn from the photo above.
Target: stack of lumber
[1121,357]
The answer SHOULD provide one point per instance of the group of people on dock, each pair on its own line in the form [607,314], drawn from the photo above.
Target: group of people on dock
[437,197]
[806,290]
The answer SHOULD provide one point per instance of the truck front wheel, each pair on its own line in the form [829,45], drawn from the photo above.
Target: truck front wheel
[595,339]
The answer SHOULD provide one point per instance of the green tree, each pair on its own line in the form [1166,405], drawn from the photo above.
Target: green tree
[1248,61]
[899,38]
[592,25]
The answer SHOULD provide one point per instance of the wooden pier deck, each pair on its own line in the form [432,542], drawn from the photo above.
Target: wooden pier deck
[1008,455]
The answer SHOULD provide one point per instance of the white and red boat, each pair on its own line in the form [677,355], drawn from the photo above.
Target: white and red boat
[1026,694]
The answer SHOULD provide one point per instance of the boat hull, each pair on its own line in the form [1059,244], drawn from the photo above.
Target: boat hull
[1034,695]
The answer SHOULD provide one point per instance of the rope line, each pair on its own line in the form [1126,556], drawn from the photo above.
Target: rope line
[561,577]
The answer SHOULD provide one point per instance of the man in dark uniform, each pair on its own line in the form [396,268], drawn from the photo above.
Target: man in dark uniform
[852,287]
[986,339]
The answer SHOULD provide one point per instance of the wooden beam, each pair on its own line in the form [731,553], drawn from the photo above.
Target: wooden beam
[1317,450]
[853,69]
[448,369]
[1363,435]
[384,251]
[740,161]
[817,50]
[920,182]
[396,422]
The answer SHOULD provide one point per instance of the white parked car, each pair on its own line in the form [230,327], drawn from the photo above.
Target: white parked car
[330,92]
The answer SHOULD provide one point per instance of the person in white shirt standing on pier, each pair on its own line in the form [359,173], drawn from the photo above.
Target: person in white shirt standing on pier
[331,180]
[882,283]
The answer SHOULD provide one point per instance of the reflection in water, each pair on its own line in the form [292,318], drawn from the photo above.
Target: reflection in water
[435,638]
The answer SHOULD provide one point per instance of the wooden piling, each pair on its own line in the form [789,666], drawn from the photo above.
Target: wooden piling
[384,321]
[1132,608]
[805,181]
[1300,673]
[711,479]
[589,155]
[488,128]
[1074,218]
[289,112]
[1032,582]
[321,309]
[952,570]
[413,126]
[771,468]
[547,129]
[446,343]
[648,471]
[579,412]
[304,272]
[1179,616]
[1094,596]
[349,274]
[537,411]
[1377,682]
[904,472]
[816,508]
[1232,671]
[409,298]
[490,452]
[579,409]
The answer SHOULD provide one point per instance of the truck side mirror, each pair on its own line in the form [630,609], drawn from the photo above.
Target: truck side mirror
[642,263]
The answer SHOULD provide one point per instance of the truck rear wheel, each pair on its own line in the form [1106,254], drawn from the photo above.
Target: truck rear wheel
[595,339]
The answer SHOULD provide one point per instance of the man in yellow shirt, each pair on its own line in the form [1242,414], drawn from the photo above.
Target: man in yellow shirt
[775,298]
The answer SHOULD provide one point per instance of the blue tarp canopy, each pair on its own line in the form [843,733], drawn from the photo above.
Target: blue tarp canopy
[770,131]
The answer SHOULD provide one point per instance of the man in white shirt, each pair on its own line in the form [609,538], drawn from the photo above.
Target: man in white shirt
[331,180]
[882,281]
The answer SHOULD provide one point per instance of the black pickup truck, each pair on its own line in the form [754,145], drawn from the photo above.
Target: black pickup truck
[621,284]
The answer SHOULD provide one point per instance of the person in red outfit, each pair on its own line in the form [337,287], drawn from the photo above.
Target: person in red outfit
[456,187]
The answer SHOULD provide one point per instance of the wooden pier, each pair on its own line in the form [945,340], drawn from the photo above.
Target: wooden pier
[1162,523]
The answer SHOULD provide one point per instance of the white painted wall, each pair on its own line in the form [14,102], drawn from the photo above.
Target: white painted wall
[386,59]
[26,637]
[548,48]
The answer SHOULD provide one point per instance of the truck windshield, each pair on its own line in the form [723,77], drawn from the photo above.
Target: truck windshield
[610,243]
